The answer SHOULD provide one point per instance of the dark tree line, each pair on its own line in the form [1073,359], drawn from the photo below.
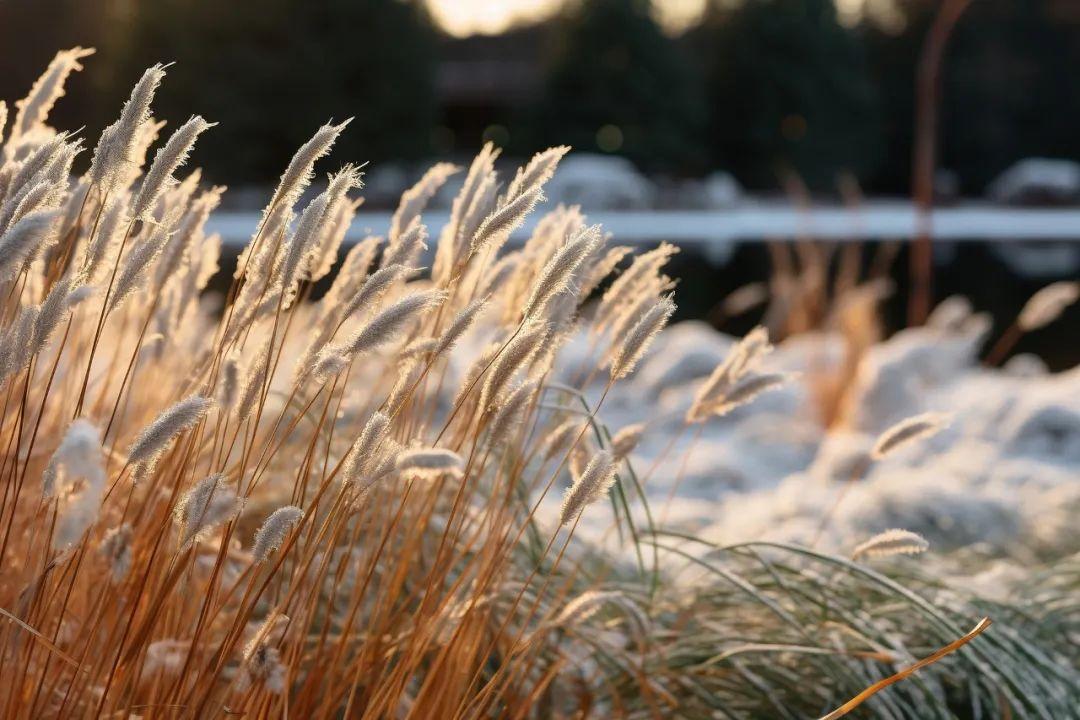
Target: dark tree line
[758,88]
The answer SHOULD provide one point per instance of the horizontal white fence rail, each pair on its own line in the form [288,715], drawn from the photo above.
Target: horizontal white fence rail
[758,221]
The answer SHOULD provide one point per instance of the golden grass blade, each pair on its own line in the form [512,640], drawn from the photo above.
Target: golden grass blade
[907,672]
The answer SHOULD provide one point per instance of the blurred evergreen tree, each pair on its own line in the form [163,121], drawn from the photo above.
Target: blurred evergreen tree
[616,83]
[272,71]
[788,88]
[1008,90]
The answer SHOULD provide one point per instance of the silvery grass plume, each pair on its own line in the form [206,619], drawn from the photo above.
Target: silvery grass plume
[173,421]
[382,328]
[630,284]
[740,362]
[375,287]
[61,300]
[512,413]
[630,349]
[365,449]
[170,157]
[514,357]
[315,222]
[228,384]
[75,478]
[408,246]
[891,542]
[560,271]
[589,603]
[624,441]
[120,142]
[909,431]
[3,118]
[272,533]
[1046,306]
[301,168]
[460,325]
[24,240]
[499,225]
[560,438]
[415,199]
[747,390]
[210,503]
[335,222]
[429,463]
[33,110]
[455,236]
[326,254]
[138,263]
[591,485]
[539,170]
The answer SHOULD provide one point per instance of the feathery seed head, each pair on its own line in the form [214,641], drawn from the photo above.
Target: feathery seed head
[273,531]
[637,341]
[429,463]
[592,485]
[891,542]
[908,431]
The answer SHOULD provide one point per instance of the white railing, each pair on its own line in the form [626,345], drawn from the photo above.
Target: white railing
[762,220]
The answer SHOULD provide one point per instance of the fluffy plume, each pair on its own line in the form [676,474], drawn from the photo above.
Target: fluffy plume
[170,157]
[746,390]
[228,384]
[561,268]
[585,606]
[300,171]
[629,351]
[908,431]
[511,413]
[630,284]
[274,530]
[591,485]
[415,199]
[500,224]
[75,478]
[389,322]
[137,265]
[23,240]
[211,502]
[33,110]
[1046,306]
[538,171]
[168,425]
[120,142]
[743,359]
[375,287]
[891,542]
[515,356]
[624,441]
[429,463]
[460,325]
[406,248]
[365,448]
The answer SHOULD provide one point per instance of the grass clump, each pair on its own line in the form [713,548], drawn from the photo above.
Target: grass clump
[287,507]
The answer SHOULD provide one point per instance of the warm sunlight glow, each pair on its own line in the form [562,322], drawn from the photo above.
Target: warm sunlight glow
[490,17]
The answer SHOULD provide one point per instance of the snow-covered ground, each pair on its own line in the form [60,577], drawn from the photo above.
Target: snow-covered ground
[1005,475]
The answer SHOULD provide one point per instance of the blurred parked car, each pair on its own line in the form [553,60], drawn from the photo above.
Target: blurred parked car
[600,182]
[1038,181]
